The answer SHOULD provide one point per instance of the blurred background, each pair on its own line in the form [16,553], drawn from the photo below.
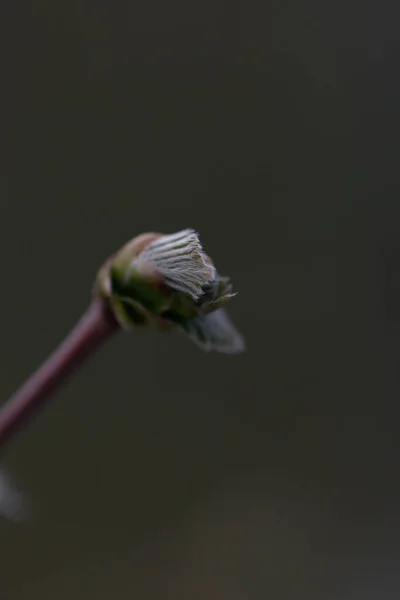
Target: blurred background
[162,472]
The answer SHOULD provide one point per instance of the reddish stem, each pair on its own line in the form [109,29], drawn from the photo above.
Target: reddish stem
[94,328]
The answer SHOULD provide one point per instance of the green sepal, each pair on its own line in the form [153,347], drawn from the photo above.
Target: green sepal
[137,291]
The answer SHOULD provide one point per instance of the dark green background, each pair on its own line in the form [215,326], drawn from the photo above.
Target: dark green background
[162,472]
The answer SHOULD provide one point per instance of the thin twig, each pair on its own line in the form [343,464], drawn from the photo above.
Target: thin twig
[94,328]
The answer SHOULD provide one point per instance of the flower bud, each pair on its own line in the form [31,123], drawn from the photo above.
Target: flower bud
[169,281]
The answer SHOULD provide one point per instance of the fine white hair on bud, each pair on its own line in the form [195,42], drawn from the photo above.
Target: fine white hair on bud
[180,261]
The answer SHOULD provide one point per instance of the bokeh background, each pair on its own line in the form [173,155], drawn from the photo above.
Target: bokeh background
[162,472]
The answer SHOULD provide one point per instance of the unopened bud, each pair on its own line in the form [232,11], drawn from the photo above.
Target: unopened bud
[167,281]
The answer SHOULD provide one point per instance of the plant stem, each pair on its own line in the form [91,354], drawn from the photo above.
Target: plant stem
[95,327]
